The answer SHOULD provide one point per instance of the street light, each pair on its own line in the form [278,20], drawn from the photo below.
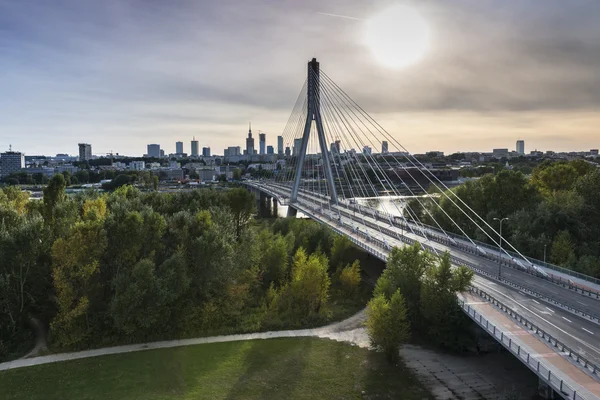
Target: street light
[500,266]
[545,252]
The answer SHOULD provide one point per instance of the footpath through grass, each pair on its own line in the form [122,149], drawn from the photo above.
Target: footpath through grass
[295,368]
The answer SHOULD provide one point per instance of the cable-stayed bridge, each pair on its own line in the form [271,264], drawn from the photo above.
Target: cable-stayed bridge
[546,316]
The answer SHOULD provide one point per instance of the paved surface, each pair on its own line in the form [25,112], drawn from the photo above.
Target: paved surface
[489,376]
[573,375]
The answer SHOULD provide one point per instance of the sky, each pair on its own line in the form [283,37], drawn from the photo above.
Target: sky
[120,74]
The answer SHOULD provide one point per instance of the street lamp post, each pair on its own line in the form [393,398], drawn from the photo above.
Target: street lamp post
[500,265]
[545,252]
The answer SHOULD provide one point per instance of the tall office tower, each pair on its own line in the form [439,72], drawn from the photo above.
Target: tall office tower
[154,150]
[162,153]
[194,147]
[280,145]
[11,161]
[384,147]
[178,147]
[85,151]
[521,146]
[249,141]
[287,151]
[270,150]
[297,146]
[206,152]
[262,142]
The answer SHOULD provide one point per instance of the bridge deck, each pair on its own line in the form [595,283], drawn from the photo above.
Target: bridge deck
[578,333]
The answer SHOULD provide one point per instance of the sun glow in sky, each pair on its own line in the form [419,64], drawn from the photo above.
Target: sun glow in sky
[436,74]
[398,36]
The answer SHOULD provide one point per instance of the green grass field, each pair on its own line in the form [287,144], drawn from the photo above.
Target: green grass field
[296,368]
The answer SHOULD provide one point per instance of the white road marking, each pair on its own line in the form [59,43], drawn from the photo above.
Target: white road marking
[549,309]
[580,302]
[566,319]
[535,301]
[543,319]
[590,332]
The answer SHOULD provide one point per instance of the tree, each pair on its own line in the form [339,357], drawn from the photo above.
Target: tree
[274,259]
[83,176]
[237,174]
[349,278]
[387,324]
[404,270]
[551,177]
[308,289]
[54,194]
[12,181]
[241,204]
[145,296]
[67,176]
[446,325]
[340,251]
[562,251]
[75,263]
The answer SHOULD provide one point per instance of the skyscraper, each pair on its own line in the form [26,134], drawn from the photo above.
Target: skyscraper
[384,147]
[154,150]
[280,145]
[11,161]
[270,150]
[334,148]
[85,151]
[521,146]
[249,141]
[206,152]
[297,146]
[194,147]
[179,147]
[287,151]
[262,142]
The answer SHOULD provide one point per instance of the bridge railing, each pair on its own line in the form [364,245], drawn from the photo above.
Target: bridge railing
[541,369]
[443,237]
[526,323]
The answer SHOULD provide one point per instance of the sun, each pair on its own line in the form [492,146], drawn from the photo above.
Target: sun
[398,36]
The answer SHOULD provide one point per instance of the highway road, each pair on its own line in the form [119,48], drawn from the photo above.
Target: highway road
[579,333]
[383,229]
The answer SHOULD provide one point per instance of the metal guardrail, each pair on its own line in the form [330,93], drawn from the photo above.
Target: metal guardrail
[526,323]
[590,316]
[541,369]
[381,244]
[385,217]
[344,211]
[555,279]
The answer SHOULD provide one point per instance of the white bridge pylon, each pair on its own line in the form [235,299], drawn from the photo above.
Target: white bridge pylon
[314,114]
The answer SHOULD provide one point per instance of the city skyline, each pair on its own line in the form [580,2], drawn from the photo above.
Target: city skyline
[105,74]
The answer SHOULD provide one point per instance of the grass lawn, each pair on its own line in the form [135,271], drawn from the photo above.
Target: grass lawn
[295,368]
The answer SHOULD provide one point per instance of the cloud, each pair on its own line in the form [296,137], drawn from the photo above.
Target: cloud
[123,72]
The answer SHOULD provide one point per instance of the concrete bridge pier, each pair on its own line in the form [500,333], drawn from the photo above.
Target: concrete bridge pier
[291,211]
[265,208]
[274,208]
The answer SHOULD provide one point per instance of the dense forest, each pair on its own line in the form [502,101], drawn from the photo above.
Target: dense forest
[554,211]
[129,266]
